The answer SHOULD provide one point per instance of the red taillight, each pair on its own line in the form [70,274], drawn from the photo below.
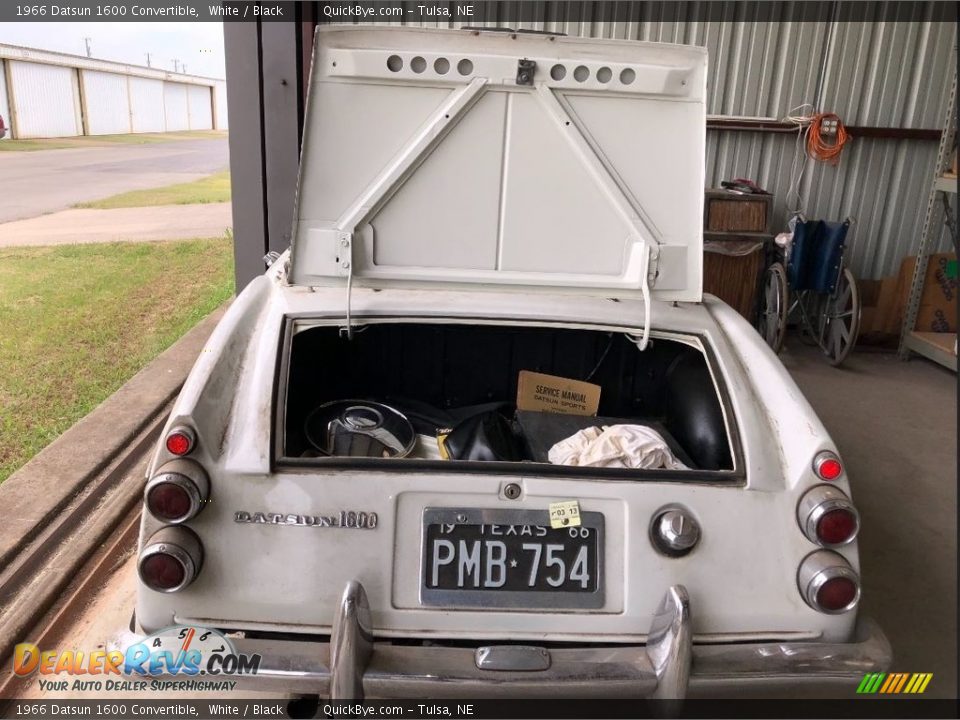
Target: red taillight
[827,517]
[177,491]
[837,527]
[827,466]
[170,559]
[162,572]
[828,583]
[167,501]
[836,594]
[180,441]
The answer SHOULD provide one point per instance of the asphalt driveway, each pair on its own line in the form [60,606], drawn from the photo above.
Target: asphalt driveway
[44,181]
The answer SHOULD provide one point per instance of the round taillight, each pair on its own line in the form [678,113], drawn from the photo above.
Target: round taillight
[177,491]
[827,466]
[180,441]
[828,583]
[837,527]
[837,594]
[674,531]
[168,501]
[163,571]
[827,517]
[170,559]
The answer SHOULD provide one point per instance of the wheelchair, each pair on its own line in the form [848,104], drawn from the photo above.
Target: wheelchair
[809,281]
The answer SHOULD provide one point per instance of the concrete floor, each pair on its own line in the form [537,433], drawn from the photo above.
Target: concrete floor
[43,181]
[895,424]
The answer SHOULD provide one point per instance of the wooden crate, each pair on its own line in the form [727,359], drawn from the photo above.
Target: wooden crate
[725,212]
[731,271]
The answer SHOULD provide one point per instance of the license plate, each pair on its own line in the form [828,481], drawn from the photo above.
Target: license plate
[510,559]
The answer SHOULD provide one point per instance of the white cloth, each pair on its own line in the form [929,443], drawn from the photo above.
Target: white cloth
[623,446]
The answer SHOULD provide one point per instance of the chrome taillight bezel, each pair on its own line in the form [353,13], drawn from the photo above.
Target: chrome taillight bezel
[819,567]
[187,474]
[817,502]
[180,543]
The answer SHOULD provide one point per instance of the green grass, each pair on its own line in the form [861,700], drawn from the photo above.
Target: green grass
[11,145]
[77,321]
[211,189]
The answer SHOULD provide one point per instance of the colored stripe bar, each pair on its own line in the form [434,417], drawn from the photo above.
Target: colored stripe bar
[865,683]
[875,685]
[913,682]
[903,681]
[926,682]
[891,680]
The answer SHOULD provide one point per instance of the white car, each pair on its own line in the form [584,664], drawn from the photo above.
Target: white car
[346,485]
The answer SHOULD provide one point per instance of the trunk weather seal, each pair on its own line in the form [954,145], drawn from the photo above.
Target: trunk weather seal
[283,464]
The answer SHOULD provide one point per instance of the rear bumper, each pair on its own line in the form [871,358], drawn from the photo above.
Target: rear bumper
[353,666]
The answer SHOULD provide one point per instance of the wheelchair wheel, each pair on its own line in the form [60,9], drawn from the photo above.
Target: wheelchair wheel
[841,319]
[772,317]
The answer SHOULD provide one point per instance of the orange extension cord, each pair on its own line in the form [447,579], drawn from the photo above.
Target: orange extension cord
[817,146]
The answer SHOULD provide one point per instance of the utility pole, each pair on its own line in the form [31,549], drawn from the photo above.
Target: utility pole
[87,41]
[176,65]
[148,60]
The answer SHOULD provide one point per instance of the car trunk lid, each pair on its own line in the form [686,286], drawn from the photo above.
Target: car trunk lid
[477,159]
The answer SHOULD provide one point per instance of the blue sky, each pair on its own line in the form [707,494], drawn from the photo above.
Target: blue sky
[199,45]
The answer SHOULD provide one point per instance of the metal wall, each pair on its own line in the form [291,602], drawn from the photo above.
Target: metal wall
[107,102]
[874,67]
[220,119]
[146,105]
[200,107]
[176,109]
[4,104]
[46,100]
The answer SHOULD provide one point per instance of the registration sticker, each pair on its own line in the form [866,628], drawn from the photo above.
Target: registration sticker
[565,514]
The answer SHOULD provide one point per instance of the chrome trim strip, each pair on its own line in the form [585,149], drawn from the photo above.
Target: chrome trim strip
[669,645]
[351,644]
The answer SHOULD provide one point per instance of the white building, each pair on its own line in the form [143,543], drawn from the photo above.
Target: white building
[51,94]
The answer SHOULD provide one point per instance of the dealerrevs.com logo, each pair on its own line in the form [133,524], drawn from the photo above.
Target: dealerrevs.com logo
[171,659]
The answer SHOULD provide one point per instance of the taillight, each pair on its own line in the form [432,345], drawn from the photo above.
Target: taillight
[827,517]
[674,531]
[177,492]
[180,441]
[170,560]
[828,583]
[827,466]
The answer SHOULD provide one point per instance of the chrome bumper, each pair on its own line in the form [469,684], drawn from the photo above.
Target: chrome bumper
[352,665]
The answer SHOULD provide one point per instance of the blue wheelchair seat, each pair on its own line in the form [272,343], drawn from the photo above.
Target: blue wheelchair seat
[816,254]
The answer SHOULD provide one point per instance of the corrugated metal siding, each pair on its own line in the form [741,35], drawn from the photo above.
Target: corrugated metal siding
[220,106]
[46,99]
[199,108]
[4,104]
[175,106]
[146,105]
[871,72]
[107,102]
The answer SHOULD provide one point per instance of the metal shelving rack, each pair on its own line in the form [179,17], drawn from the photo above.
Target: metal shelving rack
[939,347]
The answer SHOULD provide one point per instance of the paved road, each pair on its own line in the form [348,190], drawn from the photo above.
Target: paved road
[89,225]
[43,181]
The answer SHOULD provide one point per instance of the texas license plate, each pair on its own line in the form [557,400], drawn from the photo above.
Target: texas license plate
[510,559]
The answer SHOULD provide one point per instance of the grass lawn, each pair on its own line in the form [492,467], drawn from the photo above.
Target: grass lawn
[211,189]
[12,145]
[77,321]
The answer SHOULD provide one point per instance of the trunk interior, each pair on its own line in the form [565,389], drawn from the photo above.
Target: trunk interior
[461,381]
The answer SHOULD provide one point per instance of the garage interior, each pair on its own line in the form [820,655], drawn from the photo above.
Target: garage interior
[888,72]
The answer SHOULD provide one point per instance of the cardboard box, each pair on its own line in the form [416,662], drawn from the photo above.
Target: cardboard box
[938,303]
[550,393]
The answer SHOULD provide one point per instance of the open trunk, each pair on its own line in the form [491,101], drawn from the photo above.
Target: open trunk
[444,376]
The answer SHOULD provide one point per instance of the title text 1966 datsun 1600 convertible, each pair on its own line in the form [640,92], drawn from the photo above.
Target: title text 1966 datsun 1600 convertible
[479,432]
